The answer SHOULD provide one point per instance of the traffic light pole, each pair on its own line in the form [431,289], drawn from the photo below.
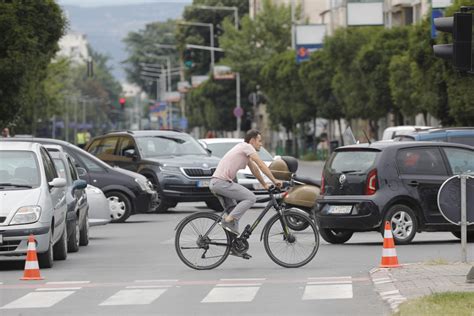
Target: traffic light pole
[211,30]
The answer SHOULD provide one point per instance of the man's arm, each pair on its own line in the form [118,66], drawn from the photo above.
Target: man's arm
[256,172]
[263,167]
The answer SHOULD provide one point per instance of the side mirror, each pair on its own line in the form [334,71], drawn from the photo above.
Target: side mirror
[58,183]
[130,153]
[81,172]
[79,184]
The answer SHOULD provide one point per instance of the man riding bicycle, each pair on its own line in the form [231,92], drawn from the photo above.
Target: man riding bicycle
[237,198]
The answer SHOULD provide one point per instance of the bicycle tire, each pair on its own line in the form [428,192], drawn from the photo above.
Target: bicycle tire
[210,218]
[309,232]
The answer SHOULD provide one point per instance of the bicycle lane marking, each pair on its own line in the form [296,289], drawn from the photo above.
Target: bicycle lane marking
[326,289]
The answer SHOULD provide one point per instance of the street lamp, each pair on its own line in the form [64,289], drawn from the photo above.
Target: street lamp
[211,29]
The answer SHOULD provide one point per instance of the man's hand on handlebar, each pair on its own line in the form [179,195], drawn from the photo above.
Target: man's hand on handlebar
[278,184]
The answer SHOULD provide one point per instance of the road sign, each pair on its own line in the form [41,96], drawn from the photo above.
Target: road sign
[238,112]
[449,200]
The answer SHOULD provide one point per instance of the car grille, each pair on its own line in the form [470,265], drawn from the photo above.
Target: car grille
[198,172]
[9,245]
[2,219]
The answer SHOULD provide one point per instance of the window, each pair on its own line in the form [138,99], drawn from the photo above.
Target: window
[419,160]
[94,147]
[106,147]
[72,170]
[172,145]
[126,144]
[91,165]
[354,161]
[60,168]
[460,160]
[49,168]
[19,167]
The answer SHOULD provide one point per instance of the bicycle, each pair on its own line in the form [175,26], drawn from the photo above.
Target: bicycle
[202,244]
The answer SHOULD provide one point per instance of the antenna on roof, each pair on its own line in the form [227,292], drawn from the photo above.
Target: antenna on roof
[365,134]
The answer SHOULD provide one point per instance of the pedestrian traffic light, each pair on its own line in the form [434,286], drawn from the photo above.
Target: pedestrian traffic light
[188,58]
[461,51]
[122,102]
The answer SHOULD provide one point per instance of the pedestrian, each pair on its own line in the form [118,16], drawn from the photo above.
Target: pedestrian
[6,132]
[237,198]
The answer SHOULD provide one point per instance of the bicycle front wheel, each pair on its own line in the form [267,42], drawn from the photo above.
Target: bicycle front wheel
[201,243]
[296,247]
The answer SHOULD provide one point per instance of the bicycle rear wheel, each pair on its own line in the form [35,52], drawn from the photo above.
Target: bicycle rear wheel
[201,243]
[298,248]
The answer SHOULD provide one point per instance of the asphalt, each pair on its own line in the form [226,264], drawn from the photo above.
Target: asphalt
[410,281]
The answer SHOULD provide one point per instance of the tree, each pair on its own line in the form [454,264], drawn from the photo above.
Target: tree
[29,32]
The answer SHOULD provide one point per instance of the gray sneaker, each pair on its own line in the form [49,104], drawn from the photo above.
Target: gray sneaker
[231,227]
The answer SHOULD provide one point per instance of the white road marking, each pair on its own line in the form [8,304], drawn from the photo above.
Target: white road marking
[231,295]
[152,281]
[239,284]
[327,292]
[133,297]
[348,278]
[248,279]
[38,300]
[329,282]
[147,286]
[58,288]
[69,282]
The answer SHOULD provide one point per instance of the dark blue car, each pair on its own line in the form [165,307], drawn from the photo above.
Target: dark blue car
[459,135]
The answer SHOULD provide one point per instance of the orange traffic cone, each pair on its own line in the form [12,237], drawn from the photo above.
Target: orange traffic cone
[389,255]
[32,271]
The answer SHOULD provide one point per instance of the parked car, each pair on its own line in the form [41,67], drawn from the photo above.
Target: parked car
[99,209]
[31,202]
[393,131]
[128,192]
[367,184]
[177,165]
[220,146]
[459,135]
[76,199]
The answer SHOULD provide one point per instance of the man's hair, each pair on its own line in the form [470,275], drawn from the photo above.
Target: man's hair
[251,134]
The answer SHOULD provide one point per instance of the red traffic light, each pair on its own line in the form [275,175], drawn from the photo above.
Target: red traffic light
[122,101]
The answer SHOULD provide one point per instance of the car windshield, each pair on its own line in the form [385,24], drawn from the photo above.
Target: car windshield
[60,168]
[18,169]
[220,149]
[352,161]
[175,145]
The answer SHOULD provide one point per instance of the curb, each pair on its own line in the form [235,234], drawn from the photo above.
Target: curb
[384,285]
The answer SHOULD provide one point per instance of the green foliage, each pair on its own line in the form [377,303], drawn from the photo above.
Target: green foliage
[29,32]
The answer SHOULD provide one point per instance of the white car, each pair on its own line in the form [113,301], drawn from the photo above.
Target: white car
[99,208]
[393,131]
[32,200]
[220,146]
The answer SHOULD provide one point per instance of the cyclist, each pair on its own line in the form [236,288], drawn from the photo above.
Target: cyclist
[237,198]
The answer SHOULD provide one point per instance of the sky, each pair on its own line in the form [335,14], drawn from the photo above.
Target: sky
[98,3]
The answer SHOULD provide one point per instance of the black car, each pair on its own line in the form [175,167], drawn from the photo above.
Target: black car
[128,192]
[178,166]
[365,185]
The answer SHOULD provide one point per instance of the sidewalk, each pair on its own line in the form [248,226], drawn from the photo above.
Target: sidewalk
[397,285]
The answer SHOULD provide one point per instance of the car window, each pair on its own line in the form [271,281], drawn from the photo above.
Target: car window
[49,168]
[172,145]
[90,164]
[72,170]
[125,144]
[94,147]
[60,168]
[421,160]
[106,147]
[19,167]
[220,149]
[460,160]
[353,161]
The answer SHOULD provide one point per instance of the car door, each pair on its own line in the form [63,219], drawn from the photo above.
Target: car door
[79,195]
[58,195]
[127,154]
[423,171]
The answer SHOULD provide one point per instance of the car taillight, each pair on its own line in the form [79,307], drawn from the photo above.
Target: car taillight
[322,185]
[371,184]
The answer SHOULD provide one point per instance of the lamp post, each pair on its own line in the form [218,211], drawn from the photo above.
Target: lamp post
[235,9]
[211,30]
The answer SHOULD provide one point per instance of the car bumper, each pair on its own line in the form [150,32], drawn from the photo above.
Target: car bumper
[14,239]
[145,202]
[359,215]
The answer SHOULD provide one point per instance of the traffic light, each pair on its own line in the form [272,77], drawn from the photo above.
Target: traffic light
[188,56]
[90,68]
[122,102]
[461,51]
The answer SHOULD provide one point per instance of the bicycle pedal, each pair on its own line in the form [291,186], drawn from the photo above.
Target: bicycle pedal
[246,256]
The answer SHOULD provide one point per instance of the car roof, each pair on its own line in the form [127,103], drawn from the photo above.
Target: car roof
[381,145]
[12,145]
[439,130]
[221,140]
[141,133]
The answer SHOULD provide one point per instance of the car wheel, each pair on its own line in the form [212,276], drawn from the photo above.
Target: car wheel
[335,236]
[470,236]
[73,242]
[215,205]
[60,248]
[84,233]
[403,222]
[46,259]
[120,206]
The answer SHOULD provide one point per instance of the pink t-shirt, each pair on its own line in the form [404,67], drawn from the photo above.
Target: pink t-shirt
[235,159]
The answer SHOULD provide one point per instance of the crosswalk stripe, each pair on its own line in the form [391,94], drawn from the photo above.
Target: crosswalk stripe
[133,297]
[327,291]
[38,300]
[231,294]
[68,282]
[58,288]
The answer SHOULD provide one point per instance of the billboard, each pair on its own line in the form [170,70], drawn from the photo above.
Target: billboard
[196,81]
[173,96]
[364,13]
[308,39]
[223,73]
[183,86]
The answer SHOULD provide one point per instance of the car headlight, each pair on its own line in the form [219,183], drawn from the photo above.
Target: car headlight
[143,184]
[170,169]
[26,215]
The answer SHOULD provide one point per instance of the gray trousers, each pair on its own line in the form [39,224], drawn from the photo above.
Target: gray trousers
[237,198]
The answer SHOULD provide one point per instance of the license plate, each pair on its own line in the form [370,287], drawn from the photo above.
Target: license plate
[340,209]
[203,183]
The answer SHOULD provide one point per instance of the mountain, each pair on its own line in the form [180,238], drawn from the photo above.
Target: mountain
[106,26]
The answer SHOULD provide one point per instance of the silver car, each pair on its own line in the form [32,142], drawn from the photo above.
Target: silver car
[32,201]
[99,208]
